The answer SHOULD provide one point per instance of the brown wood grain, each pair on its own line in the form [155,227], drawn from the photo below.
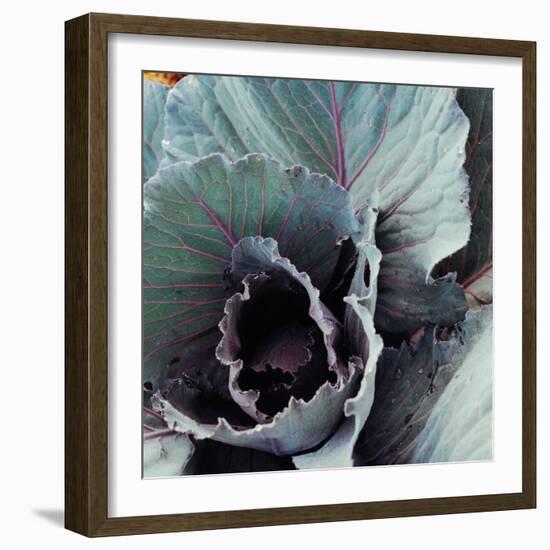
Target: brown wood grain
[529,276]
[86,282]
[77,463]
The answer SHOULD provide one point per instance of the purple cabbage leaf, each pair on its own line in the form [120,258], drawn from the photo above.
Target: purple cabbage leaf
[429,396]
[288,368]
[474,262]
[404,143]
[310,253]
[195,214]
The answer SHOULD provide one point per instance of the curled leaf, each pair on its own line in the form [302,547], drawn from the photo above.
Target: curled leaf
[368,264]
[300,426]
[270,330]
[338,451]
[195,213]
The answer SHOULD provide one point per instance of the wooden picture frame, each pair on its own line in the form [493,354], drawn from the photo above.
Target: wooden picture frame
[86,223]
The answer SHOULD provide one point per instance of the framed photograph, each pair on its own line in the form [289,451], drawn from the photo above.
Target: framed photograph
[300,275]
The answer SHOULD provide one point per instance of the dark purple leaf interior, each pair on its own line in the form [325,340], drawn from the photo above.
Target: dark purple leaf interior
[280,345]
[274,327]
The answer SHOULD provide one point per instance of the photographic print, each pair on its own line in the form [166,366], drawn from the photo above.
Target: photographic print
[317,274]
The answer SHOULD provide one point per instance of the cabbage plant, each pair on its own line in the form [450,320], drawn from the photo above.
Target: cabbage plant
[316,275]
